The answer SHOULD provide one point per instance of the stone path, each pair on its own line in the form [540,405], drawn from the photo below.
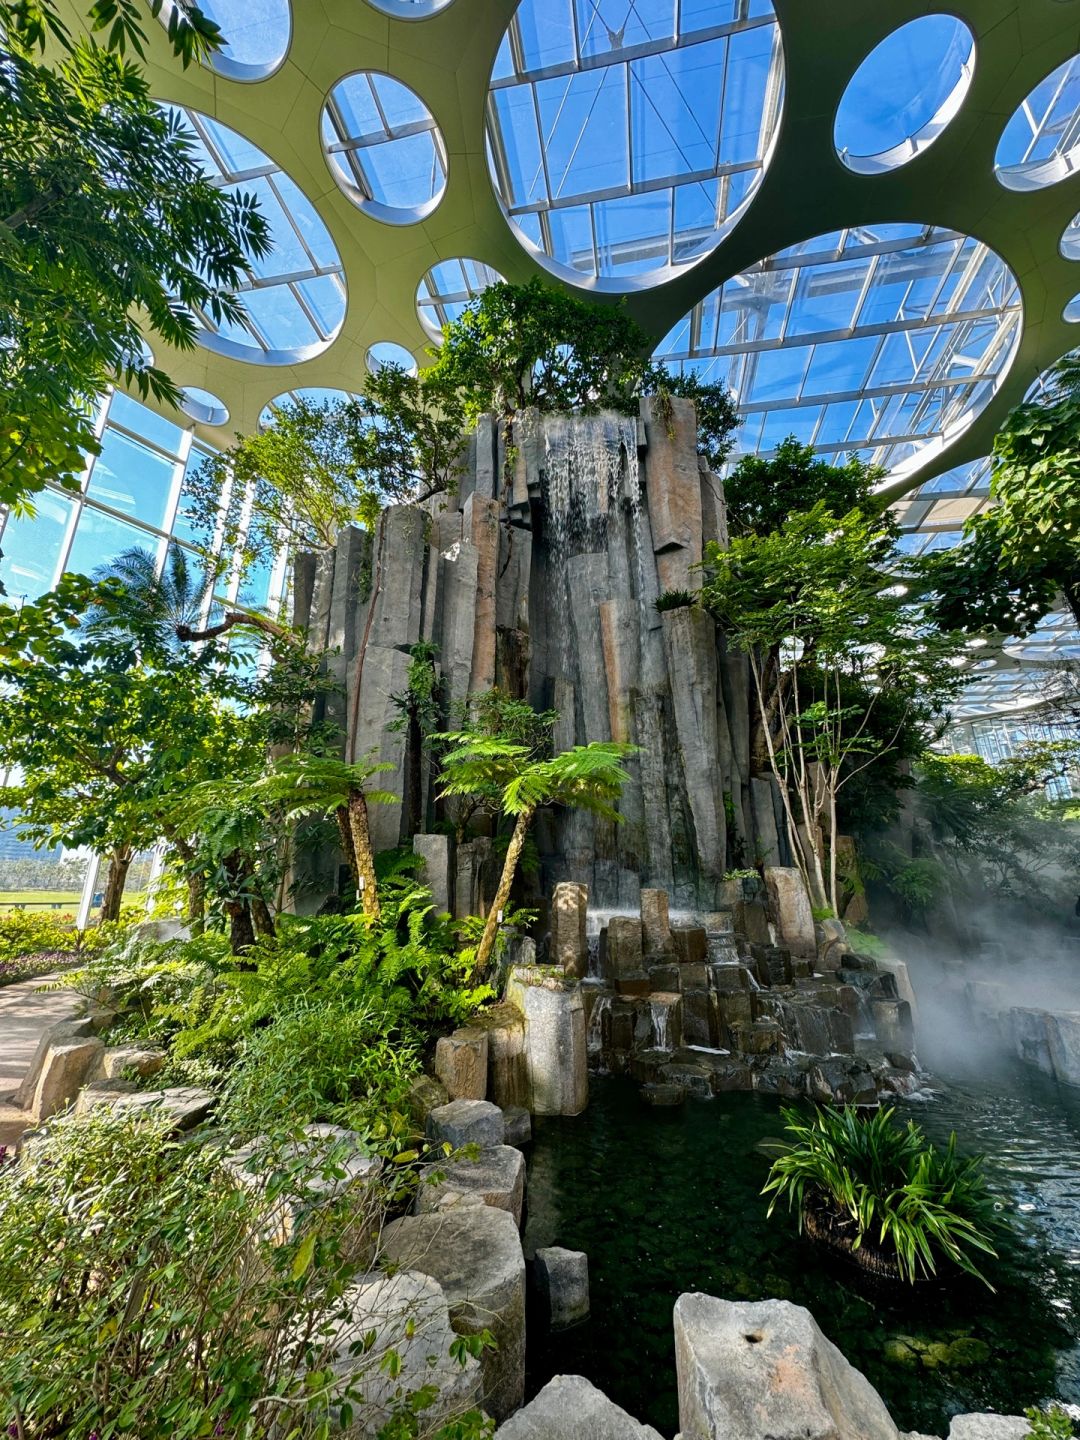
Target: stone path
[25,1012]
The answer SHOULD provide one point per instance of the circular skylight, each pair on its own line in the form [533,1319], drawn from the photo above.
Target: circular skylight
[256,36]
[886,341]
[904,93]
[314,394]
[1071,313]
[1041,143]
[387,352]
[295,296]
[410,9]
[384,147]
[447,288]
[625,137]
[203,406]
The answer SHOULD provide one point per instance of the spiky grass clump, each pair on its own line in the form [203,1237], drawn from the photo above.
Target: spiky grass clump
[882,1191]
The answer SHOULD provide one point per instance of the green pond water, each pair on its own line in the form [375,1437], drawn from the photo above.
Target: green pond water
[664,1201]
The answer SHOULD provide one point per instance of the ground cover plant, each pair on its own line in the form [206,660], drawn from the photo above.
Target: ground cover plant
[882,1193]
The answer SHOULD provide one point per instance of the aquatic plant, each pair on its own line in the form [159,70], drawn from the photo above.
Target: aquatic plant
[1052,1424]
[881,1192]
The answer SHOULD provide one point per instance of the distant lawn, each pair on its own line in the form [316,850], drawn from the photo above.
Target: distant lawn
[45,901]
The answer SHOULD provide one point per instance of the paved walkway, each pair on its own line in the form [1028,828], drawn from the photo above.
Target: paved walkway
[25,1012]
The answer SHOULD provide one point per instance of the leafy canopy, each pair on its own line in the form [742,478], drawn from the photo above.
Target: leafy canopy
[762,492]
[1024,550]
[108,231]
[322,465]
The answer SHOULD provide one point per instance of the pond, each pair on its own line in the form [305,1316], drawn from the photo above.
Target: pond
[664,1201]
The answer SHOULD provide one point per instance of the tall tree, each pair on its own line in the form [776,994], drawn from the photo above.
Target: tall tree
[1023,552]
[322,465]
[588,777]
[821,611]
[109,231]
[761,492]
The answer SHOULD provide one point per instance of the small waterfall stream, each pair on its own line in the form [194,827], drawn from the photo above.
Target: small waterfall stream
[591,465]
[594,1035]
[661,1035]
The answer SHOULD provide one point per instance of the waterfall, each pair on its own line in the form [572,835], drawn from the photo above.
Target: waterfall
[660,1018]
[585,460]
[594,1036]
[592,942]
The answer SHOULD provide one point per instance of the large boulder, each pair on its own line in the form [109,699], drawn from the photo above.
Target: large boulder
[408,1314]
[764,1371]
[475,1254]
[1063,1038]
[65,1065]
[507,1079]
[562,1277]
[496,1177]
[184,1106]
[467,1122]
[571,1408]
[461,1063]
[1028,1029]
[569,946]
[434,851]
[989,1427]
[556,1057]
[59,1034]
[790,905]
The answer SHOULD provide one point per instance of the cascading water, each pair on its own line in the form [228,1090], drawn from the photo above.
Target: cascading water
[594,1035]
[661,1035]
[590,463]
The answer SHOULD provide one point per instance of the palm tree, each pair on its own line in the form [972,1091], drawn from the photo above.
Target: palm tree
[156,607]
[302,785]
[167,609]
[588,777]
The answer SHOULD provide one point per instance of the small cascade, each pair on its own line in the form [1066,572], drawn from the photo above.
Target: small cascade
[594,1035]
[661,1036]
[865,1026]
[592,943]
[587,462]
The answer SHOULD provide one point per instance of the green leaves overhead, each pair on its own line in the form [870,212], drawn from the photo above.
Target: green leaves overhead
[1024,550]
[109,231]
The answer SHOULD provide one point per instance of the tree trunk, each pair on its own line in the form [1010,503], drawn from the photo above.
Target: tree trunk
[241,927]
[241,930]
[196,885]
[119,865]
[1071,592]
[263,920]
[360,830]
[502,895]
[341,815]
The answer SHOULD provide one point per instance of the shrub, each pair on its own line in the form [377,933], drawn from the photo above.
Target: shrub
[33,942]
[1052,1424]
[144,1294]
[882,1191]
[321,1061]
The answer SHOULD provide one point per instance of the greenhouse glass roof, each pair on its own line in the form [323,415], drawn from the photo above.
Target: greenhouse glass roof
[864,219]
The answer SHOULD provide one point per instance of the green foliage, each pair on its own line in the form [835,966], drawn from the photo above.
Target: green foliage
[889,1186]
[144,1292]
[848,664]
[993,827]
[346,1063]
[1051,1424]
[675,600]
[919,884]
[1025,548]
[588,777]
[520,345]
[108,228]
[761,494]
[864,942]
[25,933]
[717,413]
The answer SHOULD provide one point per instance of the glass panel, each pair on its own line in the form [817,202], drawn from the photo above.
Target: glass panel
[32,548]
